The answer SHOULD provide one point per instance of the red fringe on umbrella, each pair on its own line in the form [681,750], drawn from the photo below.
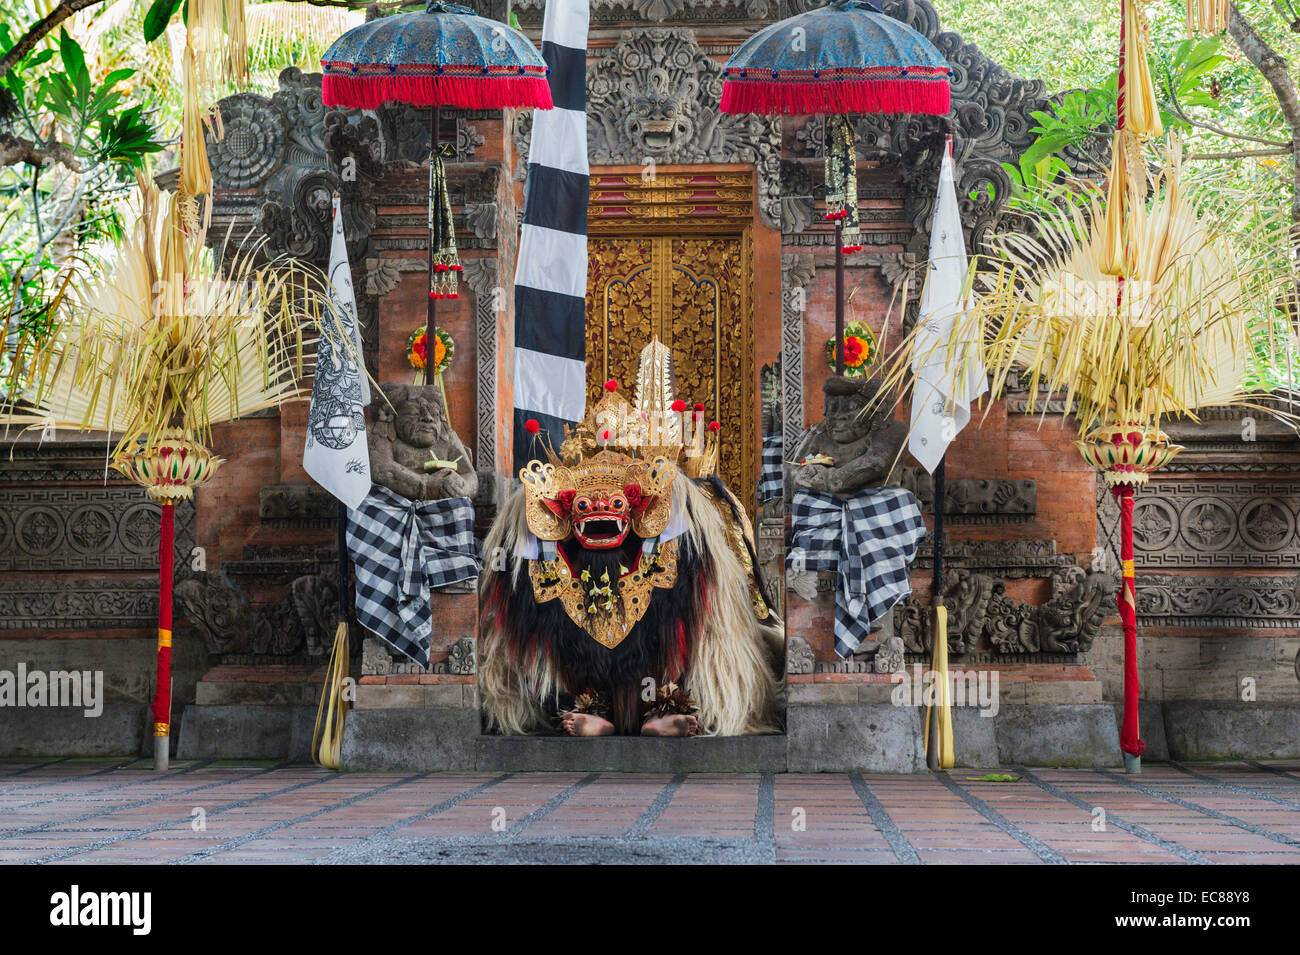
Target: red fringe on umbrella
[812,98]
[469,92]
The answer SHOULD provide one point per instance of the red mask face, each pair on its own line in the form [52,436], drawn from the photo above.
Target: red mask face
[601,519]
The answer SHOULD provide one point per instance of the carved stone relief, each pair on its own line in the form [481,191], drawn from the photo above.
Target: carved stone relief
[975,500]
[78,603]
[654,98]
[983,618]
[483,276]
[378,660]
[1200,523]
[65,528]
[297,505]
[797,272]
[799,658]
[301,623]
[1199,600]
[278,164]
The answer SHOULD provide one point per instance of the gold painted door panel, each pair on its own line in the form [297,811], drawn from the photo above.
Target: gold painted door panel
[693,291]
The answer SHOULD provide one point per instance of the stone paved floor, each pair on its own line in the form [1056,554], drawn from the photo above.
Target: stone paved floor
[100,811]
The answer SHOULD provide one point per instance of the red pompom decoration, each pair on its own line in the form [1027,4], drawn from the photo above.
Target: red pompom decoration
[679,406]
[699,407]
[714,426]
[611,385]
[633,494]
[531,426]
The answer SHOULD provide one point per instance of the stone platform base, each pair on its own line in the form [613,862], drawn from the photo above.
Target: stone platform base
[881,738]
[849,737]
[122,729]
[247,732]
[877,738]
[1207,730]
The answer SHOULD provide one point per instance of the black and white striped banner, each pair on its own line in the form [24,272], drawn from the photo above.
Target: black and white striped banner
[551,277]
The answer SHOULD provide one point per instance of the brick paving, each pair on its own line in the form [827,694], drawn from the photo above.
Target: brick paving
[102,811]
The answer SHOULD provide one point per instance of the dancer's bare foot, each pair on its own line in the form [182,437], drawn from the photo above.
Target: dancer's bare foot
[584,724]
[675,725]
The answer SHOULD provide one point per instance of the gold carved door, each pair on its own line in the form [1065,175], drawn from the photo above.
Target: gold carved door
[693,292]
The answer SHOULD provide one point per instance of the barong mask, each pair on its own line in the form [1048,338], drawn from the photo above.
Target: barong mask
[599,500]
[600,507]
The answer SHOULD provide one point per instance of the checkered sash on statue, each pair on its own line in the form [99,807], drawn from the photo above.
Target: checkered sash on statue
[403,549]
[869,540]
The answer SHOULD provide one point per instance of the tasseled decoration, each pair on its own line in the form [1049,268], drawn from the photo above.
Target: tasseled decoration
[1207,16]
[1114,235]
[842,181]
[1139,118]
[1141,113]
[828,92]
[195,173]
[344,86]
[237,42]
[444,278]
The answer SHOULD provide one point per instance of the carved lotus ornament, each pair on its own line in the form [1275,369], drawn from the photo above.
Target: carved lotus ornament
[169,467]
[1127,453]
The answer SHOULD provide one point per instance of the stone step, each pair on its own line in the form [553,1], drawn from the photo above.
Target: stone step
[632,754]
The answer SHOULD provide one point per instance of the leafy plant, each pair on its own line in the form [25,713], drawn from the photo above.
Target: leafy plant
[74,146]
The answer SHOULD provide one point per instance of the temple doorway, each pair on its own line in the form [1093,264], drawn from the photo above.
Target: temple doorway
[670,255]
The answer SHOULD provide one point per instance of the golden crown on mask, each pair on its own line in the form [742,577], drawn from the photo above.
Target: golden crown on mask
[646,429]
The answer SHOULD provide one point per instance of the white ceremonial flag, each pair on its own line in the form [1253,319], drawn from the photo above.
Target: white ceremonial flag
[949,373]
[335,454]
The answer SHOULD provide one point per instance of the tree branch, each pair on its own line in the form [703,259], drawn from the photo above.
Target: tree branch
[40,30]
[1242,154]
[1273,66]
[15,149]
[67,8]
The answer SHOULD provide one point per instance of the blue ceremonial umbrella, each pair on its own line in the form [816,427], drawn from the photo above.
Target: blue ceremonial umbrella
[846,57]
[445,56]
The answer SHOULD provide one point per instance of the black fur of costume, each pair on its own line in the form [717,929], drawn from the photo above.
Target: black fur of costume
[658,646]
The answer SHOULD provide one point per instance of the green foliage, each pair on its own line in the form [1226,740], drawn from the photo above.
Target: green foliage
[77,112]
[159,15]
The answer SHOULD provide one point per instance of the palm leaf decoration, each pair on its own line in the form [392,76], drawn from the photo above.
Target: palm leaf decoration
[1178,329]
[284,33]
[161,343]
[1171,335]
[1182,329]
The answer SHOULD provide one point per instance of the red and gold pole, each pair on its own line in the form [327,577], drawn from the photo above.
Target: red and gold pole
[1130,740]
[162,697]
[169,466]
[1126,454]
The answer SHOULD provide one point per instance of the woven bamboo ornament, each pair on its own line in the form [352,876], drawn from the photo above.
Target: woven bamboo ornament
[444,277]
[842,180]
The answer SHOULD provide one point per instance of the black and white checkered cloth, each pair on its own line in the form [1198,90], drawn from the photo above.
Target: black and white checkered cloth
[402,549]
[869,540]
[771,485]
